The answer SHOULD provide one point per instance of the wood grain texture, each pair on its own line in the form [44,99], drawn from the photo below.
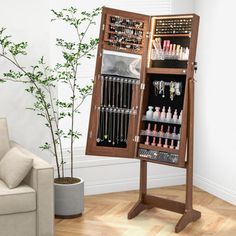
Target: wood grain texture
[106,215]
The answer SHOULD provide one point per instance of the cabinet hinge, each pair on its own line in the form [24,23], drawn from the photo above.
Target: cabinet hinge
[90,134]
[103,27]
[142,86]
[136,139]
[148,34]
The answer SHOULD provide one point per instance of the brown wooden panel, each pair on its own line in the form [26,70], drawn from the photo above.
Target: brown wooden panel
[92,147]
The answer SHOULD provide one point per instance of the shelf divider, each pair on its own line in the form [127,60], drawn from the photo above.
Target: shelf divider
[172,71]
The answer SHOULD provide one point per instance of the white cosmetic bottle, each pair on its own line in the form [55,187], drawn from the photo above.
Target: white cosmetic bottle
[168,115]
[180,116]
[156,113]
[163,113]
[175,116]
[149,113]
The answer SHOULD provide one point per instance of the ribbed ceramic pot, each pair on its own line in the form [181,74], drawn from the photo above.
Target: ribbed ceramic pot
[69,200]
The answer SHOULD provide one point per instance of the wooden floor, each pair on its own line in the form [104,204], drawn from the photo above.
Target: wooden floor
[106,215]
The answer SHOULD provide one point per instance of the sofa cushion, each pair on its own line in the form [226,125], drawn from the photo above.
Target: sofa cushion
[14,167]
[17,200]
[4,138]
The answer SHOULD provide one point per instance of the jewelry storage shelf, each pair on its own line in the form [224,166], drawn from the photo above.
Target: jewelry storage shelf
[172,71]
[146,61]
[144,118]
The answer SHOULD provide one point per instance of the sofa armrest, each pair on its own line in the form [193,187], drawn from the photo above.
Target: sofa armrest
[41,179]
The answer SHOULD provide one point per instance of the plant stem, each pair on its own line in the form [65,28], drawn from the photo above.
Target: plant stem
[45,107]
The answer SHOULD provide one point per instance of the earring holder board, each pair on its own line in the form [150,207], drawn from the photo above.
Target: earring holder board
[146,61]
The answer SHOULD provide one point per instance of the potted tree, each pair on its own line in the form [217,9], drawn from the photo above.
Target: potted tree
[41,81]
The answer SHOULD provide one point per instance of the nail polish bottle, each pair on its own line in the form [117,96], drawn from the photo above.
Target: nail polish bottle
[154,141]
[149,113]
[147,141]
[177,147]
[161,132]
[168,115]
[148,130]
[180,117]
[159,143]
[163,113]
[156,113]
[166,143]
[174,133]
[172,144]
[175,116]
[154,132]
[178,135]
[168,132]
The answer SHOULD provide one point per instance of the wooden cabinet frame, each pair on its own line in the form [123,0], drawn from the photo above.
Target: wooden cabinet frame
[140,96]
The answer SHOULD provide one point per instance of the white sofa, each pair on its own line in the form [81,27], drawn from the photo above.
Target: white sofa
[27,210]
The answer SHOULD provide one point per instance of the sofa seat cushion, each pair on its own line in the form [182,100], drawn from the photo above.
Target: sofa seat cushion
[17,200]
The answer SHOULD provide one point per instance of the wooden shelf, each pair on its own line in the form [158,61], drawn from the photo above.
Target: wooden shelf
[164,136]
[125,43]
[126,35]
[127,50]
[172,35]
[161,162]
[161,149]
[172,71]
[127,27]
[144,118]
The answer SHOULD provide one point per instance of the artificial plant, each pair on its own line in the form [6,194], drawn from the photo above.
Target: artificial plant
[41,81]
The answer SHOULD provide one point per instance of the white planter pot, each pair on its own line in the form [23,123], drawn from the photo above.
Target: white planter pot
[69,199]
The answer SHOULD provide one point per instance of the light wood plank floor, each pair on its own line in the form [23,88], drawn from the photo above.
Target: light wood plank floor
[106,215]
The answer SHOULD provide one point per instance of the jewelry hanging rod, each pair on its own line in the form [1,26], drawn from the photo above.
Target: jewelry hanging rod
[119,79]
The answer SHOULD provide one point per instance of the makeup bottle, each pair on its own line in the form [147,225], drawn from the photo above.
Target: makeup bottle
[154,132]
[166,143]
[156,113]
[149,113]
[161,132]
[147,141]
[154,141]
[177,147]
[178,135]
[175,116]
[163,113]
[172,144]
[168,115]
[168,132]
[148,130]
[180,116]
[159,143]
[174,133]
[173,50]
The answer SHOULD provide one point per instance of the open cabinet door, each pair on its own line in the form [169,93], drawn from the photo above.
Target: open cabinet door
[120,69]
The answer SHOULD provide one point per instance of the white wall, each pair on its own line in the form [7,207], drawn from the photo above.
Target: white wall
[215,149]
[214,164]
[25,20]
[182,6]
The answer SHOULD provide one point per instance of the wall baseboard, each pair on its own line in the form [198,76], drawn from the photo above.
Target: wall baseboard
[106,175]
[215,189]
[128,184]
[94,166]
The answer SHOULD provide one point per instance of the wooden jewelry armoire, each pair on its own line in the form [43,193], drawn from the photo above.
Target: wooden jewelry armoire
[143,98]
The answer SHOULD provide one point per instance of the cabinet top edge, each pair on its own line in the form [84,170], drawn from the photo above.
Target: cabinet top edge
[187,15]
[119,11]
